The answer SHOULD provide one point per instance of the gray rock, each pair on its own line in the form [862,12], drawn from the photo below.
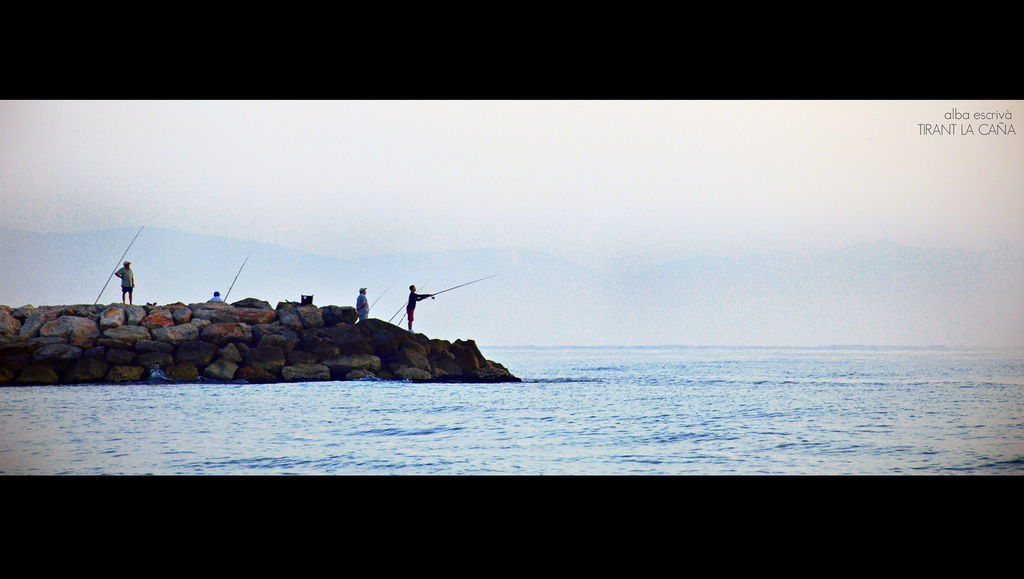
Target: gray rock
[143,346]
[221,369]
[119,373]
[306,373]
[334,315]
[112,317]
[130,334]
[119,356]
[9,325]
[175,335]
[252,303]
[87,370]
[269,358]
[290,318]
[38,374]
[230,353]
[57,354]
[197,353]
[413,374]
[182,315]
[30,327]
[182,373]
[341,366]
[312,316]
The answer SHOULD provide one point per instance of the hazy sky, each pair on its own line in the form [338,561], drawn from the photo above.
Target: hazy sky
[584,179]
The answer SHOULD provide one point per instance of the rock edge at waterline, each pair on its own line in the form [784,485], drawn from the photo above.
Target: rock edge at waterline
[246,341]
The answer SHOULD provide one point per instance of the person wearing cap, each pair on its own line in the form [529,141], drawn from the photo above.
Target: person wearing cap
[216,297]
[127,281]
[362,305]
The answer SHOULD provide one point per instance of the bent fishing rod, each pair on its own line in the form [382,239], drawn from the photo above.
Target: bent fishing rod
[117,264]
[463,284]
[445,290]
[236,276]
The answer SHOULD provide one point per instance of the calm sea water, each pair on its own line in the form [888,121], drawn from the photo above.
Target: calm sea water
[579,411]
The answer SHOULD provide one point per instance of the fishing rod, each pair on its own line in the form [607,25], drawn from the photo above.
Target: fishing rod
[441,292]
[236,276]
[116,264]
[460,285]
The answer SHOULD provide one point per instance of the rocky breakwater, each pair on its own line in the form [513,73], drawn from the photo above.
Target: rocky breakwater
[246,341]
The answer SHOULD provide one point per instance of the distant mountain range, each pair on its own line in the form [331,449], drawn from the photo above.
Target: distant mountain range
[878,294]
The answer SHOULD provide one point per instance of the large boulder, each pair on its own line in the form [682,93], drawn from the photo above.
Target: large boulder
[133,314]
[300,357]
[130,334]
[250,316]
[306,373]
[120,373]
[221,369]
[34,321]
[176,334]
[286,342]
[255,375]
[230,353]
[61,356]
[182,373]
[23,312]
[112,317]
[206,310]
[38,374]
[409,357]
[386,337]
[87,370]
[333,315]
[75,329]
[467,355]
[197,353]
[349,339]
[492,372]
[143,346]
[413,374]
[9,325]
[311,316]
[269,358]
[290,318]
[252,303]
[181,313]
[80,310]
[158,318]
[223,332]
[19,347]
[341,366]
[447,368]
[120,356]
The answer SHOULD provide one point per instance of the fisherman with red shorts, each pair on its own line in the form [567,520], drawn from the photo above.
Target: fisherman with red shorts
[413,298]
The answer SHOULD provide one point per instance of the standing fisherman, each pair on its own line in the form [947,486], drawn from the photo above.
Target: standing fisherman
[127,281]
[413,298]
[362,305]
